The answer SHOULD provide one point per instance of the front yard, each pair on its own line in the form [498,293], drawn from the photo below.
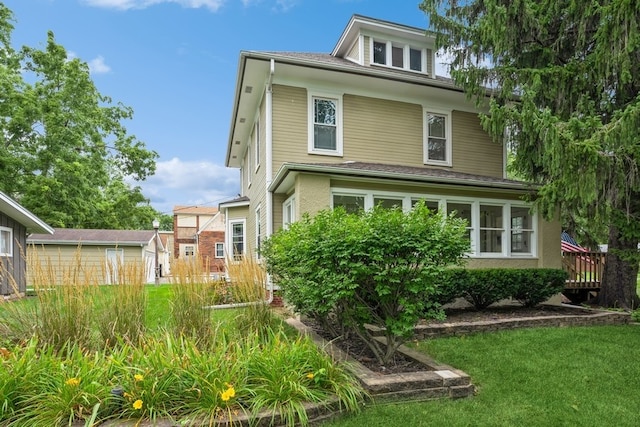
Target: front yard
[582,376]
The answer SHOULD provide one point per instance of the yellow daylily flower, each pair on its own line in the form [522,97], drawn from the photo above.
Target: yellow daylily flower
[137,404]
[72,382]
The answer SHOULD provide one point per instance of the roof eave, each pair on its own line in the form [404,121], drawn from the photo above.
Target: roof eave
[286,168]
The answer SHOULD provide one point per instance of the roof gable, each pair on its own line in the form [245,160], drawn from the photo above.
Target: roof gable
[19,213]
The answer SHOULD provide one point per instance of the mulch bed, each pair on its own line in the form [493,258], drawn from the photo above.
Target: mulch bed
[361,352]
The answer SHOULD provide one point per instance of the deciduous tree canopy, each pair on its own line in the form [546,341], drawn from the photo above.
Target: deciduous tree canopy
[64,152]
[565,80]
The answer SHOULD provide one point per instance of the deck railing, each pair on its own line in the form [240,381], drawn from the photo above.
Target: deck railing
[584,268]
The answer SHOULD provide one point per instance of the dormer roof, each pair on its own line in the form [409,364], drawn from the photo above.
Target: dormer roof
[359,24]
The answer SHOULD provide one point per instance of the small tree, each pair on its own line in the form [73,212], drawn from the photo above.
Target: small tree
[379,267]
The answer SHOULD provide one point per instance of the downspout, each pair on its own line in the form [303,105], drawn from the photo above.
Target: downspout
[269,195]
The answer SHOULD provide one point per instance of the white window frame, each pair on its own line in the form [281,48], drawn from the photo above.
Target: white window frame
[6,234]
[288,212]
[219,250]
[258,233]
[406,55]
[501,230]
[230,244]
[184,247]
[425,138]
[474,227]
[337,98]
[256,138]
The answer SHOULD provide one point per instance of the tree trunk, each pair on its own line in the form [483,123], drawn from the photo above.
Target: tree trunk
[618,287]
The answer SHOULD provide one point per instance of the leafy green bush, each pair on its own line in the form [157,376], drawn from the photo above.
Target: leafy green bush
[377,267]
[537,285]
[483,287]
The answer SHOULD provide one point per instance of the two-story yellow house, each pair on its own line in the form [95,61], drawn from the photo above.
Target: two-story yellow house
[370,123]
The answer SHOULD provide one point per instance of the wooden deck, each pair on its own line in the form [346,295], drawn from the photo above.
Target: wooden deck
[585,273]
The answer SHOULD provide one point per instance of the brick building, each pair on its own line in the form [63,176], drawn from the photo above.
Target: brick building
[199,231]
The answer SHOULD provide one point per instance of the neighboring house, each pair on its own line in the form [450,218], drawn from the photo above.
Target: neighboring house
[371,124]
[16,223]
[166,255]
[96,256]
[199,231]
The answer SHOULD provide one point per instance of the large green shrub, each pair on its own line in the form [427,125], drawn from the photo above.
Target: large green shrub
[377,267]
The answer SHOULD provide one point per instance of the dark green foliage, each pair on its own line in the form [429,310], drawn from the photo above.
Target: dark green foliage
[483,287]
[565,89]
[538,285]
[378,267]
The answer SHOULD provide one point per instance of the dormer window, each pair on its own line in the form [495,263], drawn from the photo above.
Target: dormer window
[398,55]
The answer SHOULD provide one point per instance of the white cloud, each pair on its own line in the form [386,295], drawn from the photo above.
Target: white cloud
[98,66]
[212,5]
[198,183]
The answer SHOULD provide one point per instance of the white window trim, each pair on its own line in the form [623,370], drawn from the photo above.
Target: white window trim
[406,63]
[503,230]
[425,136]
[216,250]
[9,253]
[256,137]
[369,196]
[310,119]
[290,202]
[230,236]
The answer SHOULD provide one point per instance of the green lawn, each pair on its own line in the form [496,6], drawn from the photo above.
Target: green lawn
[583,376]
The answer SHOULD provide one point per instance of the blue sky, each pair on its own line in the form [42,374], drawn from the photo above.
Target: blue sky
[175,62]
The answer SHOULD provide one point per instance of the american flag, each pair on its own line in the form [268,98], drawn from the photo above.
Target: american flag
[567,244]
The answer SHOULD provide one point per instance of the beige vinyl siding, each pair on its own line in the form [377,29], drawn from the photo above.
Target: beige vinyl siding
[382,131]
[278,200]
[87,261]
[289,126]
[354,52]
[367,54]
[473,150]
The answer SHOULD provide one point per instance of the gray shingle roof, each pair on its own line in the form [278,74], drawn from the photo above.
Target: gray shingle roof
[68,236]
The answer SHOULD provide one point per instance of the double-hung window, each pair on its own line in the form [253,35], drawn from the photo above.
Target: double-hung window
[521,230]
[6,242]
[219,250]
[437,139]
[491,229]
[236,239]
[464,211]
[325,133]
[256,138]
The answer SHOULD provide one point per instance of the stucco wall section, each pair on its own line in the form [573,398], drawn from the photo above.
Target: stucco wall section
[313,193]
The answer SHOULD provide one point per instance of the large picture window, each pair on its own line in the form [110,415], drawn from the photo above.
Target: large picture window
[6,242]
[325,134]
